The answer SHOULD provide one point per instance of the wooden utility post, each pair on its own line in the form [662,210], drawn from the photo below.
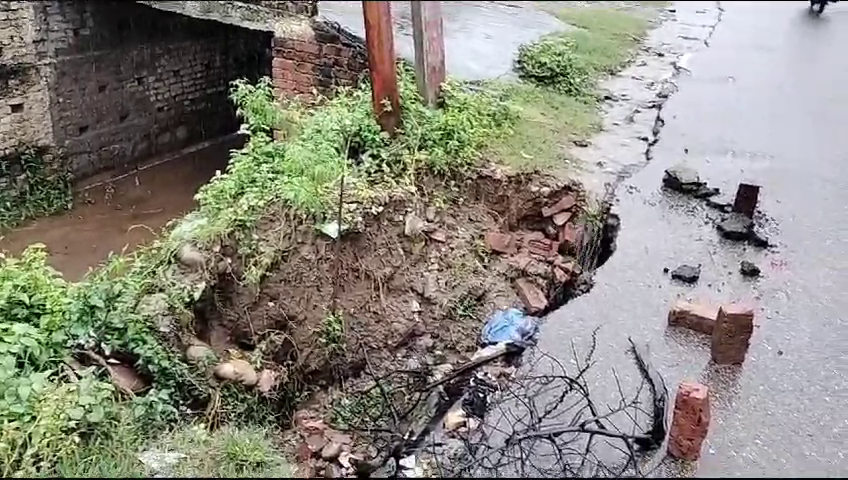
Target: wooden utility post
[428,37]
[381,63]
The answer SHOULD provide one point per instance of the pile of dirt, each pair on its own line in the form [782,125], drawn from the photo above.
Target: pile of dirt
[409,291]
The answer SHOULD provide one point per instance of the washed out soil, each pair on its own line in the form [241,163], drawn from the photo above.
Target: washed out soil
[411,290]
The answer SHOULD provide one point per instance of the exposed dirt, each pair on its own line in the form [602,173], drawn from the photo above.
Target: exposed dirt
[414,286]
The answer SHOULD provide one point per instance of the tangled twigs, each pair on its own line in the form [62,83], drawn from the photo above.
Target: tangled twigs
[544,422]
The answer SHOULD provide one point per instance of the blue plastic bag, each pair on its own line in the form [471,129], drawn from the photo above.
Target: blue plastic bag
[511,326]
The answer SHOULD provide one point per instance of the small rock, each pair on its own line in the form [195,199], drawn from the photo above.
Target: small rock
[267,381]
[682,179]
[316,443]
[414,306]
[748,269]
[429,286]
[736,227]
[237,371]
[690,421]
[694,316]
[199,352]
[531,296]
[563,204]
[332,471]
[127,379]
[309,423]
[454,419]
[191,257]
[732,334]
[562,218]
[430,214]
[331,451]
[705,192]
[500,242]
[686,273]
[160,462]
[439,235]
[413,226]
[721,205]
[581,143]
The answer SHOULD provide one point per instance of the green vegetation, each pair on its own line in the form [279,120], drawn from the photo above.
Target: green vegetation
[61,418]
[558,103]
[31,186]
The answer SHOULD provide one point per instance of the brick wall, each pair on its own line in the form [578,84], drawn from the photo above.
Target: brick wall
[112,82]
[131,81]
[320,57]
[24,77]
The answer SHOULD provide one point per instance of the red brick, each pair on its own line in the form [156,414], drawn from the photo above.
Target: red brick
[569,235]
[331,50]
[307,47]
[694,316]
[562,218]
[282,64]
[564,203]
[306,68]
[500,242]
[345,52]
[560,275]
[531,296]
[542,247]
[690,421]
[732,334]
[282,74]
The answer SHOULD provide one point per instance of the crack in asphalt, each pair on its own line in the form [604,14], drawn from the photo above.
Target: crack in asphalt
[667,89]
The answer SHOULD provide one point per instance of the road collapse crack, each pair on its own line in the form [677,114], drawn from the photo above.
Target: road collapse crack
[713,27]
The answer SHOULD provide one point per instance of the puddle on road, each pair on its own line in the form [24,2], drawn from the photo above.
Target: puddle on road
[124,213]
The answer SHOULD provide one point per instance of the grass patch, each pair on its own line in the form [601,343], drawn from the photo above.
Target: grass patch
[557,101]
[32,184]
[230,452]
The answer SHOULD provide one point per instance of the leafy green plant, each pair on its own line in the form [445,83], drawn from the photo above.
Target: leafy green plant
[553,62]
[33,183]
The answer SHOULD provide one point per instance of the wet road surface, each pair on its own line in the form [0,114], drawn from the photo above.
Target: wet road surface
[481,38]
[120,214]
[762,97]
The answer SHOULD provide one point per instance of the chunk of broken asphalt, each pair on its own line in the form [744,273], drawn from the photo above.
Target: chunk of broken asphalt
[736,227]
[686,273]
[682,179]
[748,269]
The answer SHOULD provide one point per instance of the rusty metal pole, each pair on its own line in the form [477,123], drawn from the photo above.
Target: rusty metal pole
[381,63]
[428,37]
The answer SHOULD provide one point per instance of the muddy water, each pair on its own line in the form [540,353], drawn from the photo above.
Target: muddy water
[120,211]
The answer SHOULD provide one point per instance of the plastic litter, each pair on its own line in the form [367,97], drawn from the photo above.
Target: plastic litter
[509,326]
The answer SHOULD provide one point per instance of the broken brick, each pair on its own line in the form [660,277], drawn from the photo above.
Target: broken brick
[690,421]
[531,296]
[694,316]
[543,247]
[500,242]
[564,203]
[560,275]
[561,218]
[732,334]
[569,235]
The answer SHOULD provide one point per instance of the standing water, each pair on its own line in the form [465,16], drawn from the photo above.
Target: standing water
[124,213]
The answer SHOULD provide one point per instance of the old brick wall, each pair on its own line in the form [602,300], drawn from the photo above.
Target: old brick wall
[296,7]
[320,57]
[130,81]
[24,76]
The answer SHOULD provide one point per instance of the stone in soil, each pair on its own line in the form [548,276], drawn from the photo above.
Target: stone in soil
[500,242]
[331,451]
[694,316]
[531,296]
[732,334]
[748,269]
[736,227]
[682,179]
[690,421]
[686,273]
[564,203]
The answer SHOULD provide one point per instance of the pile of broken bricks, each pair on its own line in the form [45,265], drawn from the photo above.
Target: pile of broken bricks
[730,328]
[545,255]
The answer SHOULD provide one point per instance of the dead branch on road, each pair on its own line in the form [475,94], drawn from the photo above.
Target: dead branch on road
[543,422]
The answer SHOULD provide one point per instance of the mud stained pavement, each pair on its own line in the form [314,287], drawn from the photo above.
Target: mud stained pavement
[122,214]
[761,98]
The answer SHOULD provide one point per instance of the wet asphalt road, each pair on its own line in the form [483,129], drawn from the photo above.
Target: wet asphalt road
[765,99]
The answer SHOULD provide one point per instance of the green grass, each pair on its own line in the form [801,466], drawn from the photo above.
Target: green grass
[557,101]
[230,452]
